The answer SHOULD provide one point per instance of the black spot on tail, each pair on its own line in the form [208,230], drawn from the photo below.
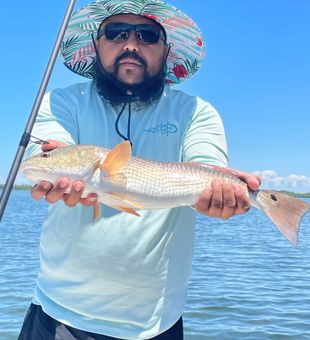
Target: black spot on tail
[273,197]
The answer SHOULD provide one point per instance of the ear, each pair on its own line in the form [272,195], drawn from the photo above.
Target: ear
[96,42]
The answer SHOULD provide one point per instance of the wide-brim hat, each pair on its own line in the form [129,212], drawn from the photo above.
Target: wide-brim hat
[185,38]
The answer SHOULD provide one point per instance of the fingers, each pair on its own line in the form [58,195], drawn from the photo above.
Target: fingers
[229,201]
[58,192]
[203,203]
[90,200]
[73,198]
[252,181]
[52,144]
[242,201]
[223,200]
[40,190]
[216,206]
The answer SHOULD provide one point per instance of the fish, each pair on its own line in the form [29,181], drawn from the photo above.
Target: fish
[130,184]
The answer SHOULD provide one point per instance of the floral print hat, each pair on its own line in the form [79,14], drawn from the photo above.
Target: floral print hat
[185,38]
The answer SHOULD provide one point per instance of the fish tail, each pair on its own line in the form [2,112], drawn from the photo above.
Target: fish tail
[286,212]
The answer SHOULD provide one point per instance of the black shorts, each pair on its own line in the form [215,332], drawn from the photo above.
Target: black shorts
[40,326]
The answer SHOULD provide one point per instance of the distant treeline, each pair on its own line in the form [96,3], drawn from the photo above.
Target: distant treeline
[295,194]
[19,186]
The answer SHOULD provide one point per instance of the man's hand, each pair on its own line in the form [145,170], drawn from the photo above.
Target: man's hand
[57,192]
[226,199]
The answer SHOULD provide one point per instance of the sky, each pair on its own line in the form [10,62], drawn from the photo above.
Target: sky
[256,74]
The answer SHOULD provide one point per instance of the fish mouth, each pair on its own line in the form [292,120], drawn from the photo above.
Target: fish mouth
[31,171]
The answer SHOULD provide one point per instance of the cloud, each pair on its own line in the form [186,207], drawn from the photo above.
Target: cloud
[271,180]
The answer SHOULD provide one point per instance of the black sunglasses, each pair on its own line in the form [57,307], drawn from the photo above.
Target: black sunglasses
[120,31]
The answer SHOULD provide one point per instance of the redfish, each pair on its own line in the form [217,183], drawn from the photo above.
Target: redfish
[130,184]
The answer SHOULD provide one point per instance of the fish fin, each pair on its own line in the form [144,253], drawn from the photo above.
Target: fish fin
[96,212]
[120,202]
[123,198]
[285,211]
[117,159]
[126,209]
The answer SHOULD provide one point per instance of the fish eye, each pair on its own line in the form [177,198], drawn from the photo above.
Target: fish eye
[45,154]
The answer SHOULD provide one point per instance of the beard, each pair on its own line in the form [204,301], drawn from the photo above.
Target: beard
[117,92]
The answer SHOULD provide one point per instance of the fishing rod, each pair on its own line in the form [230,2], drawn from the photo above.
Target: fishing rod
[33,115]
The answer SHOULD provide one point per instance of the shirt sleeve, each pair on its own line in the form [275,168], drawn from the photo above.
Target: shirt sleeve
[204,140]
[55,120]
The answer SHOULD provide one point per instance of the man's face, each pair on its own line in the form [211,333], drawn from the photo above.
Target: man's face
[143,59]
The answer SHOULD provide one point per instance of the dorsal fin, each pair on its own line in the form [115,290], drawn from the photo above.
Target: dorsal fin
[117,159]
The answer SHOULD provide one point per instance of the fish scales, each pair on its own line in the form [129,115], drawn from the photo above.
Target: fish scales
[170,180]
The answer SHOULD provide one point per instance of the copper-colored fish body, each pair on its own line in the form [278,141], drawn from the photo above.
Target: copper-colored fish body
[130,184]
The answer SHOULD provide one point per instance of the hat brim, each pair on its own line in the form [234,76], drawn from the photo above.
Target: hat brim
[185,38]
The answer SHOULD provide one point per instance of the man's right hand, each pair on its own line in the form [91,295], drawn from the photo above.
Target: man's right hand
[58,191]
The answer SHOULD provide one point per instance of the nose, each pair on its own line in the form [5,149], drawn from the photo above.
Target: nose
[132,43]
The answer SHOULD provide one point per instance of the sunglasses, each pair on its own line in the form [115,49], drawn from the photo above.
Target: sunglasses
[120,31]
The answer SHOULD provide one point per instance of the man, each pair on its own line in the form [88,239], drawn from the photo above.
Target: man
[125,277]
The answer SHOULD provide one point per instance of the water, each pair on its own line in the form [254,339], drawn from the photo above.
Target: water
[248,282]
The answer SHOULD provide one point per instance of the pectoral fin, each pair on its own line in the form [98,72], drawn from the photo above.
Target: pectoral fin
[120,202]
[122,198]
[127,210]
[117,159]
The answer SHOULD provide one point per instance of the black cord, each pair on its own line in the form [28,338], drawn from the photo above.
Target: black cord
[128,122]
[117,121]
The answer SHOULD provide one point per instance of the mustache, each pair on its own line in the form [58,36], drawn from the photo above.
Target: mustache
[132,55]
[116,92]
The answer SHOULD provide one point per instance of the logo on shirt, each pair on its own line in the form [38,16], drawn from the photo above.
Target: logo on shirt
[164,128]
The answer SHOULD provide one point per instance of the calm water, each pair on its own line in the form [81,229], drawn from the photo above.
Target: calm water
[247,281]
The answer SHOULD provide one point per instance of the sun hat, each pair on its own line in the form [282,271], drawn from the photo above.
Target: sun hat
[183,35]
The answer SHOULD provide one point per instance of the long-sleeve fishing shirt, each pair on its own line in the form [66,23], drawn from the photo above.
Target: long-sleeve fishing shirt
[124,276]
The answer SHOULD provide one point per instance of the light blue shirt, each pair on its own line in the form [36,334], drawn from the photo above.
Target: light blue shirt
[125,276]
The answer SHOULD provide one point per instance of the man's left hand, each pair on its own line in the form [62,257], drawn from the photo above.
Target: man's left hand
[225,199]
